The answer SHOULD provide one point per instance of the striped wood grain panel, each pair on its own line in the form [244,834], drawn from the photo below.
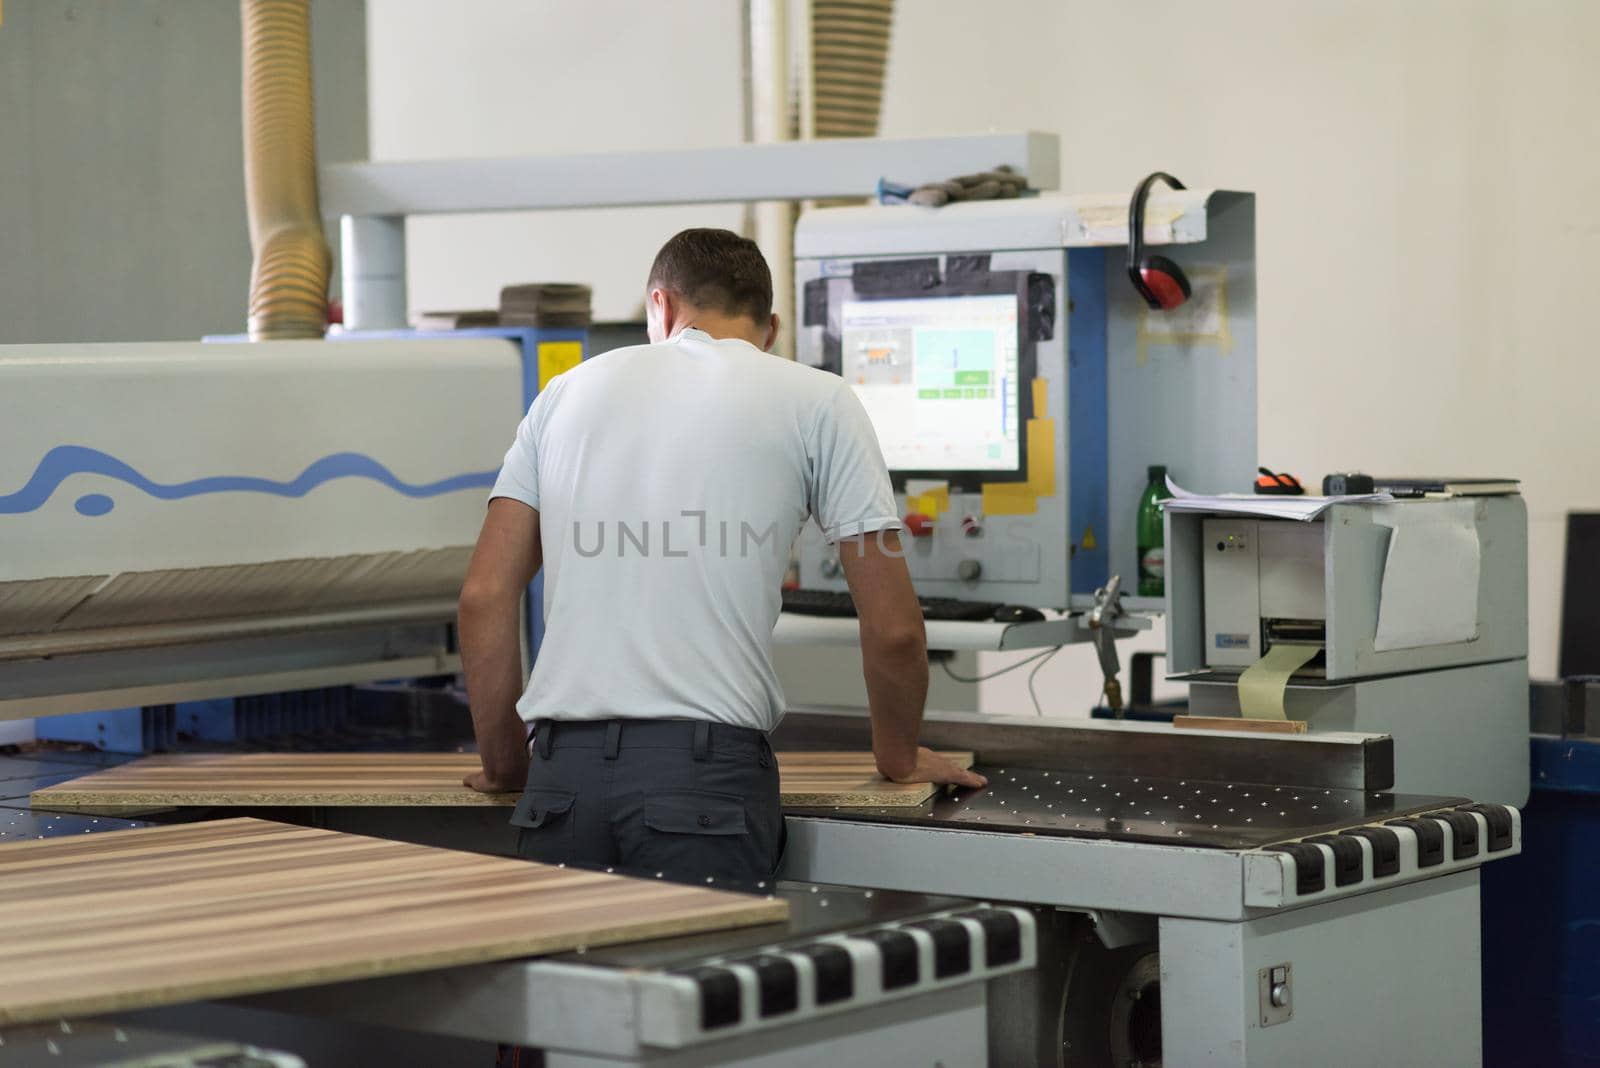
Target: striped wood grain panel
[407,779]
[162,915]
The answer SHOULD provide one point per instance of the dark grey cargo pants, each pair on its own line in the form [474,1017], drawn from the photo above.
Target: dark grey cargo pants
[691,802]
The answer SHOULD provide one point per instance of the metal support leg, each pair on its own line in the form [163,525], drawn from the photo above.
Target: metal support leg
[946,1028]
[372,250]
[1390,977]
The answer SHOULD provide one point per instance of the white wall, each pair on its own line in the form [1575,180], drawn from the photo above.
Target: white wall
[1427,173]
[122,212]
[505,78]
[1427,177]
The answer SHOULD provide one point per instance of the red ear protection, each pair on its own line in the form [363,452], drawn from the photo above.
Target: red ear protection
[1161,283]
[1164,286]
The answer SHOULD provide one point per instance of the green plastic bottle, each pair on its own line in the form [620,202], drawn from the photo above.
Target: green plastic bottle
[1152,535]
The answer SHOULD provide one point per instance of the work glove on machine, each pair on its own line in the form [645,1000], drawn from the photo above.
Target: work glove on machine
[1002,183]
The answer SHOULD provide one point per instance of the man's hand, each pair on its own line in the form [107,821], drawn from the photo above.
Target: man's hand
[479,780]
[931,767]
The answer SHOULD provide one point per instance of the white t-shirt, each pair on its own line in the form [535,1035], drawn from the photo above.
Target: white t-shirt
[671,481]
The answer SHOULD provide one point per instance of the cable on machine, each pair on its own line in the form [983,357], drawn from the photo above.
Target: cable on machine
[1024,662]
[1038,660]
[1034,674]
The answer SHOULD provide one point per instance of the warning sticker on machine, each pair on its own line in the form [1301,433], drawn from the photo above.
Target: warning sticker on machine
[557,357]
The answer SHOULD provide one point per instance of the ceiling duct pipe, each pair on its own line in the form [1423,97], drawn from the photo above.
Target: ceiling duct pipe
[849,53]
[291,262]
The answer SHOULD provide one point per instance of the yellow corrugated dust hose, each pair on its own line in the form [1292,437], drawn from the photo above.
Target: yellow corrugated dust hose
[849,51]
[291,262]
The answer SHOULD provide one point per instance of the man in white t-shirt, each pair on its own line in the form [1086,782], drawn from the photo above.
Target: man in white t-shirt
[660,488]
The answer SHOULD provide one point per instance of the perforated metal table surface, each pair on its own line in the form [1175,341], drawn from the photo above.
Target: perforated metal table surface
[814,910]
[1188,812]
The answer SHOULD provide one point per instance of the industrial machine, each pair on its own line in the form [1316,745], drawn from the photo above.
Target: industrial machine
[1205,899]
[1407,618]
[853,978]
[209,520]
[197,520]
[1193,896]
[190,516]
[856,976]
[96,1045]
[1020,386]
[1192,882]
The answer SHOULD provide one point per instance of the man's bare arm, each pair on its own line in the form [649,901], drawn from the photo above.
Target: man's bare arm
[507,557]
[894,654]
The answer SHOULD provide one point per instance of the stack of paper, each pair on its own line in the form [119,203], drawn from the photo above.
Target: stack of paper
[1304,509]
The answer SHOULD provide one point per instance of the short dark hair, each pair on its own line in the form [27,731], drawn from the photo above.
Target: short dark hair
[717,270]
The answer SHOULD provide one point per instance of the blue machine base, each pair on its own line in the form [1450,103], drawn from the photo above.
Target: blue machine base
[118,730]
[159,728]
[1541,919]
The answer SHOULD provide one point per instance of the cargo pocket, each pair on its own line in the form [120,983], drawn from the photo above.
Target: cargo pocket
[693,836]
[695,812]
[544,822]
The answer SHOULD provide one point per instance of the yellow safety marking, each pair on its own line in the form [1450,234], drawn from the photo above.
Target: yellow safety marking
[556,357]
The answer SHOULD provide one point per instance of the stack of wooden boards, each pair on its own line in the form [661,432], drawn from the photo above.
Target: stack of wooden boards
[808,780]
[542,305]
[548,305]
[162,915]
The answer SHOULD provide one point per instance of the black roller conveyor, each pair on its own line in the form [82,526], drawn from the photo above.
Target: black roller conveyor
[900,957]
[1309,869]
[1463,833]
[719,996]
[1348,858]
[836,972]
[1385,849]
[1430,840]
[952,946]
[1002,936]
[778,983]
[1499,819]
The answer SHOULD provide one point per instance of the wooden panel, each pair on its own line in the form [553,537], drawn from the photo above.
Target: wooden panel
[161,915]
[266,779]
[849,780]
[1240,723]
[407,779]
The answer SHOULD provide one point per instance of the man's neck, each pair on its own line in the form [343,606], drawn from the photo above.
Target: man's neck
[723,327]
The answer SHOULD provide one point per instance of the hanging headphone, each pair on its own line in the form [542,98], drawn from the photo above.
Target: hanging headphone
[1161,282]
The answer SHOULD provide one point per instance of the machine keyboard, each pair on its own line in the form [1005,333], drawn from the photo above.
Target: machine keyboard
[838,604]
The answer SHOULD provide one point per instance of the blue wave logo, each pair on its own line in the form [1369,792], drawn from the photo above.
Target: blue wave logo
[64,461]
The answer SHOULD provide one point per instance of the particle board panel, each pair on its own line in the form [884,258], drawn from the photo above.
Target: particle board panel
[848,780]
[808,779]
[162,915]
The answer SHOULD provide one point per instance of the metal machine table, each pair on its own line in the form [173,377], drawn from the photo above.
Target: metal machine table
[90,1044]
[856,977]
[1243,924]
